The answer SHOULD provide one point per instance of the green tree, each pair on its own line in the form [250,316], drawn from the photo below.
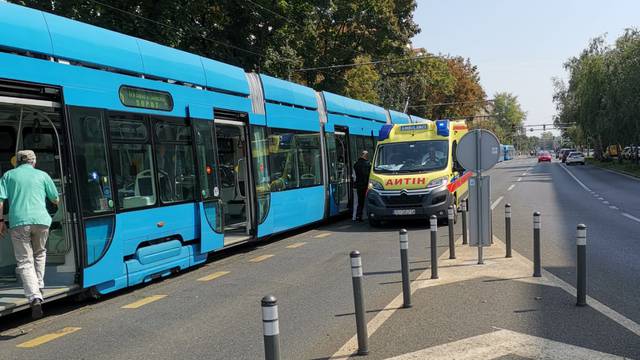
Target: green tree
[361,81]
[508,116]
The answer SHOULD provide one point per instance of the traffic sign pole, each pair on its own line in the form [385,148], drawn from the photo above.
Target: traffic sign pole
[478,151]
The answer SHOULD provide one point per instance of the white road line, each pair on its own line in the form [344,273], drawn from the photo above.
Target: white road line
[506,343]
[601,198]
[524,174]
[606,202]
[621,174]
[495,203]
[511,187]
[629,216]
[519,179]
[597,305]
[593,303]
[350,347]
[575,178]
[613,207]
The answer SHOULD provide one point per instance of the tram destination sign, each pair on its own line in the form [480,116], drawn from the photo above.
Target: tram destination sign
[146,99]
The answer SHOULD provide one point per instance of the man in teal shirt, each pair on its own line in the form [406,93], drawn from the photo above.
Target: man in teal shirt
[27,189]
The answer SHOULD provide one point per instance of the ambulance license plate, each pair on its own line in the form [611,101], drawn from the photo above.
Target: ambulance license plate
[404,212]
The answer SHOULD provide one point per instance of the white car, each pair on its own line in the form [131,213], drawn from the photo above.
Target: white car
[575,157]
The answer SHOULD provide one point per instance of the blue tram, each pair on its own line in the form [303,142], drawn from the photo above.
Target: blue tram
[507,152]
[162,156]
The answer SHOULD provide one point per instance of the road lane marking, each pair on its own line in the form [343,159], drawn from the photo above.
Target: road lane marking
[261,258]
[143,302]
[213,276]
[48,337]
[296,245]
[596,305]
[524,174]
[323,235]
[593,303]
[495,203]
[613,207]
[344,227]
[511,187]
[575,178]
[629,216]
[606,202]
[519,179]
[506,343]
[619,173]
[350,347]
[423,281]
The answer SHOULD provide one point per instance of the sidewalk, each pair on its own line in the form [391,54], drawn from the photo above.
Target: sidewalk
[495,311]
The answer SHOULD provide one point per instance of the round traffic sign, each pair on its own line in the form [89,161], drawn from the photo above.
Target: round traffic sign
[478,150]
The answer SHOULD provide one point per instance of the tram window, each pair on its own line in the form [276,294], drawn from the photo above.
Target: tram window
[6,141]
[260,155]
[132,161]
[94,183]
[295,159]
[205,148]
[174,157]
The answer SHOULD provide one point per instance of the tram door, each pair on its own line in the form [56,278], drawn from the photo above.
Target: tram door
[36,124]
[343,163]
[235,193]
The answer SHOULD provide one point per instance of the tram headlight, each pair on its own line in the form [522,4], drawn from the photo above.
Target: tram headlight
[441,181]
[375,185]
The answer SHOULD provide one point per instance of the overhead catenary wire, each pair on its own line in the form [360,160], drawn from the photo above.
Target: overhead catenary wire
[375,62]
[274,13]
[453,103]
[178,29]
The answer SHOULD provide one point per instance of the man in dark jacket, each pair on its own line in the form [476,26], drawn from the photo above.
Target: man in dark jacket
[361,168]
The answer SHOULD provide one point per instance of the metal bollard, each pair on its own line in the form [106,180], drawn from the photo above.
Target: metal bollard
[536,245]
[433,222]
[271,328]
[507,225]
[465,240]
[581,244]
[452,244]
[404,260]
[358,300]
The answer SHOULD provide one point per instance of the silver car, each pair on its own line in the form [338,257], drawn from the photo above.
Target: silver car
[575,157]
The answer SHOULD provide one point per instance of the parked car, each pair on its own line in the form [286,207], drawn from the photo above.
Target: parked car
[575,157]
[565,153]
[559,152]
[626,153]
[544,156]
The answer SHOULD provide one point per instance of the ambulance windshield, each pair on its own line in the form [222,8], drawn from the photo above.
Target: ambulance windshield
[410,157]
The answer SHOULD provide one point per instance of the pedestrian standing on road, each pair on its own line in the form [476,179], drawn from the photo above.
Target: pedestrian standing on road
[361,168]
[26,190]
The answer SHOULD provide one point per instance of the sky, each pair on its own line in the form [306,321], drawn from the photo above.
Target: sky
[520,45]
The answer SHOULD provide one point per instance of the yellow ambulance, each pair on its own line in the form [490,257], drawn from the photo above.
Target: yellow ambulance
[414,172]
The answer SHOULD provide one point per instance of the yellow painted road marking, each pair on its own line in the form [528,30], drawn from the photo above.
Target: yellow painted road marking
[296,245]
[49,337]
[213,276]
[145,301]
[323,235]
[261,258]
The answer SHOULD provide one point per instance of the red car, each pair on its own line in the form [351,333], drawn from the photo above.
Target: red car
[544,156]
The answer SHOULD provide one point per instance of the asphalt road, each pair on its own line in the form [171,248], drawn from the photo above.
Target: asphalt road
[604,201]
[310,275]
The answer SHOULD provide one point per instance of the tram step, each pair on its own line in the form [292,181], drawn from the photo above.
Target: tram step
[156,261]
